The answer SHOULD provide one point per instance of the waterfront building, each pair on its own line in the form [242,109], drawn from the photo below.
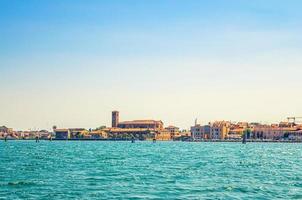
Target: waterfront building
[163,135]
[294,135]
[71,133]
[174,131]
[219,130]
[283,130]
[98,134]
[62,133]
[149,124]
[215,130]
[272,132]
[199,132]
[196,132]
[32,134]
[77,133]
[140,129]
[237,130]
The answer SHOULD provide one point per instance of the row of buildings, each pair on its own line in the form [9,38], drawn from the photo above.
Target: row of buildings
[155,129]
[125,130]
[225,130]
[9,133]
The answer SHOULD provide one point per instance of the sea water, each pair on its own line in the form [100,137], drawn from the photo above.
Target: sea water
[146,170]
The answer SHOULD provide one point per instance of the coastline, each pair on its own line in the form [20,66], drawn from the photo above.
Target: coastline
[197,141]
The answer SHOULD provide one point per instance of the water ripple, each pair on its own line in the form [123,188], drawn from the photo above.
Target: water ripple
[146,170]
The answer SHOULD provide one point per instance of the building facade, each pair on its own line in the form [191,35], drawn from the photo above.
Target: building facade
[149,124]
[62,134]
[141,129]
[271,132]
[71,133]
[199,132]
[220,130]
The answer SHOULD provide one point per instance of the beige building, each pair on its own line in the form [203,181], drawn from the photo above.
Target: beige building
[220,130]
[163,135]
[271,131]
[174,131]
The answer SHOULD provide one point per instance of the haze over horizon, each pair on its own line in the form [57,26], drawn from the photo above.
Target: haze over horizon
[70,63]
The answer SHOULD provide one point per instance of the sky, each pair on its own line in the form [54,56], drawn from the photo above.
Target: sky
[69,63]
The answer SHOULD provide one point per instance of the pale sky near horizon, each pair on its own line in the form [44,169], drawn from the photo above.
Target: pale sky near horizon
[70,63]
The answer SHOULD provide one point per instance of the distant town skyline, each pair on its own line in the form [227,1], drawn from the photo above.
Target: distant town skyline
[70,63]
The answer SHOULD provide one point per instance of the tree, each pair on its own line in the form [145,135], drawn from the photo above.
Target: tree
[247,132]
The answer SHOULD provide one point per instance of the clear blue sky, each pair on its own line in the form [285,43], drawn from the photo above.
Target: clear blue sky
[69,63]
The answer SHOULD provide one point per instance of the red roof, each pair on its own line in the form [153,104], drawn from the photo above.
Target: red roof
[141,122]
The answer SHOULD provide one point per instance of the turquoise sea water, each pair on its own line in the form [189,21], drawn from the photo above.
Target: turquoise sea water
[146,170]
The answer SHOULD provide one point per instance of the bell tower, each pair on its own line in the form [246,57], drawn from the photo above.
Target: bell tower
[115,118]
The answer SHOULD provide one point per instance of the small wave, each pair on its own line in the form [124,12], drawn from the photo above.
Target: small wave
[20,183]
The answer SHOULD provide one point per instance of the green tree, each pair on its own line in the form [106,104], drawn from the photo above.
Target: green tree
[247,132]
